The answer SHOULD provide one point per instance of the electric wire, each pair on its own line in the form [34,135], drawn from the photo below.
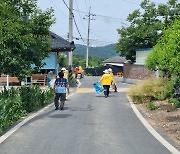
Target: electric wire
[58,8]
[100,15]
[101,37]
[74,21]
[80,15]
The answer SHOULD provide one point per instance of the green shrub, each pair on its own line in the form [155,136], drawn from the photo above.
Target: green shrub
[15,103]
[34,97]
[174,101]
[170,86]
[10,108]
[151,106]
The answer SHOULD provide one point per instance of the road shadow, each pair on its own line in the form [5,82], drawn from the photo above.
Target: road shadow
[60,115]
[88,108]
[39,116]
[111,95]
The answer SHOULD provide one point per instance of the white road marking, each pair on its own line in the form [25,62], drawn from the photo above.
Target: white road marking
[152,131]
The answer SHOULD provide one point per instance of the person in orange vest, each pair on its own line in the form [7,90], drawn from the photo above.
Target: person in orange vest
[106,81]
[76,71]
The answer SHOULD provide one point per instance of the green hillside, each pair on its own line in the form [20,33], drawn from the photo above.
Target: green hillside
[104,51]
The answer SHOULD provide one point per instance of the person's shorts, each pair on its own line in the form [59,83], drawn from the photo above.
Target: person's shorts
[62,96]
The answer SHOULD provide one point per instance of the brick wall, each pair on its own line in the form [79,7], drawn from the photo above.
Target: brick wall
[133,71]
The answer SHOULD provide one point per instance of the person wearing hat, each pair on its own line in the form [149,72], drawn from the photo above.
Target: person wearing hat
[60,87]
[106,81]
[113,83]
[80,71]
[65,72]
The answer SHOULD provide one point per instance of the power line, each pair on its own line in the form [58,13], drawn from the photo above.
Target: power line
[58,8]
[131,2]
[100,15]
[74,21]
[79,14]
[101,37]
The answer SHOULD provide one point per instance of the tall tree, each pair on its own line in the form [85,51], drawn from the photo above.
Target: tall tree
[63,60]
[145,26]
[166,53]
[24,36]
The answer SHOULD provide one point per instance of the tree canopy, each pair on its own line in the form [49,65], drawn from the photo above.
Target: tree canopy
[145,26]
[24,36]
[166,53]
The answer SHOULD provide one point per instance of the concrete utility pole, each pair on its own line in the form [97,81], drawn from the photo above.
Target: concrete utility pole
[87,52]
[70,29]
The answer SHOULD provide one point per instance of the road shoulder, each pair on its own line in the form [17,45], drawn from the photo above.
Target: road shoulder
[170,145]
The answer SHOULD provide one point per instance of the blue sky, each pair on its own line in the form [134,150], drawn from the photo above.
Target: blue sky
[110,15]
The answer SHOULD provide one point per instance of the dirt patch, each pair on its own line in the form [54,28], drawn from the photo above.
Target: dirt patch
[166,119]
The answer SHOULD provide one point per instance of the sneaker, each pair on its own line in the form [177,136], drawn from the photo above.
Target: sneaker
[57,108]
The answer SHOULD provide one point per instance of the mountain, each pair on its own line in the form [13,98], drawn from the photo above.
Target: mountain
[103,51]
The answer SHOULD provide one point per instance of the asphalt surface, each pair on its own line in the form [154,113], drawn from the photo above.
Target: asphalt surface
[89,124]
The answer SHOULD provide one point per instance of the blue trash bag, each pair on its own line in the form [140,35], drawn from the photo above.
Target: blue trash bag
[98,88]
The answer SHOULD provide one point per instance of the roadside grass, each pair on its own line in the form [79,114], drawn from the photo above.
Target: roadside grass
[152,90]
[147,90]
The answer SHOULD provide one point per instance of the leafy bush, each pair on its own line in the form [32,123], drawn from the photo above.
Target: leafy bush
[10,108]
[15,103]
[151,106]
[175,101]
[170,87]
[165,54]
[33,97]
[147,90]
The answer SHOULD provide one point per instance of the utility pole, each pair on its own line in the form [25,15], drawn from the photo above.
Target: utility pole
[87,51]
[89,19]
[70,29]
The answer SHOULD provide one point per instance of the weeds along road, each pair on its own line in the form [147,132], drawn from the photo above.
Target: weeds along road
[89,124]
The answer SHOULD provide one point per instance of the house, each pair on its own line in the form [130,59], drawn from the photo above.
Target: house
[137,71]
[58,45]
[115,61]
[51,62]
[141,55]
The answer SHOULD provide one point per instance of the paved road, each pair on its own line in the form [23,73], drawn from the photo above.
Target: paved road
[90,124]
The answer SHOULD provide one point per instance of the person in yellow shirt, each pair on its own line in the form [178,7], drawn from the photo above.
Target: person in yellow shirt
[113,83]
[106,81]
[80,71]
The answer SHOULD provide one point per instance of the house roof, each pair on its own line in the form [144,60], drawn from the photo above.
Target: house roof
[144,49]
[116,59]
[59,44]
